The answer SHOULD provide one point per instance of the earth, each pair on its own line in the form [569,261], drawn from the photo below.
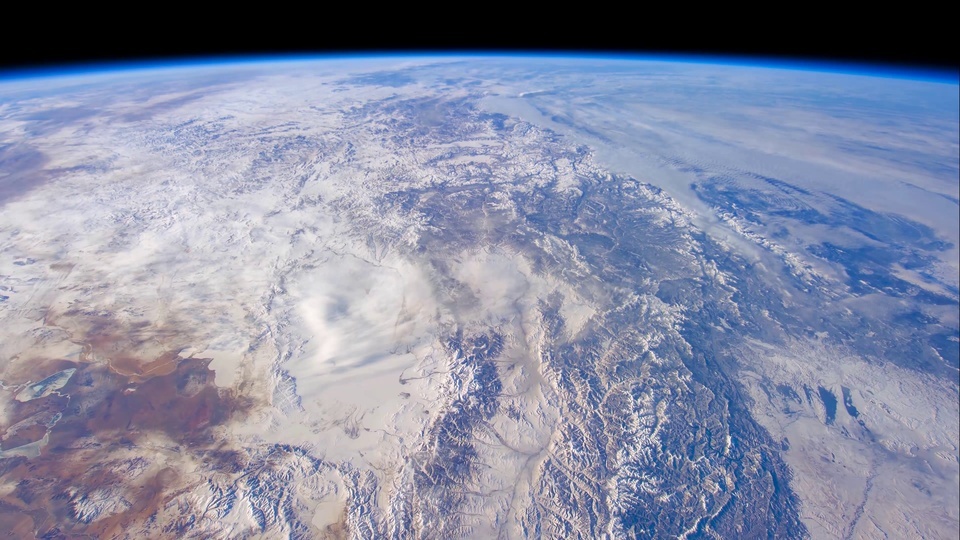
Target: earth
[479,297]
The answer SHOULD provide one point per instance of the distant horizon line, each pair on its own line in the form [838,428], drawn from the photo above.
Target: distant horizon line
[843,67]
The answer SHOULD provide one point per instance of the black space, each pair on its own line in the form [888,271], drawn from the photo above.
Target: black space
[900,40]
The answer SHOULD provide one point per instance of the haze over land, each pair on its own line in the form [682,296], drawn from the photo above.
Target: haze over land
[503,297]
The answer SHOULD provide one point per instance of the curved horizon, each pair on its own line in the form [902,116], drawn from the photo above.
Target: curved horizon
[833,66]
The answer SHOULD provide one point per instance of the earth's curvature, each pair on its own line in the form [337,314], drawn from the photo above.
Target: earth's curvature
[476,297]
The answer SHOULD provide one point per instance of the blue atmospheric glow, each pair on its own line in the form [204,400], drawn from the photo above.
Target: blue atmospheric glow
[924,74]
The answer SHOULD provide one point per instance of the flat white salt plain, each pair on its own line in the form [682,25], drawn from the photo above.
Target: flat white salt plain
[46,386]
[29,450]
[228,358]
